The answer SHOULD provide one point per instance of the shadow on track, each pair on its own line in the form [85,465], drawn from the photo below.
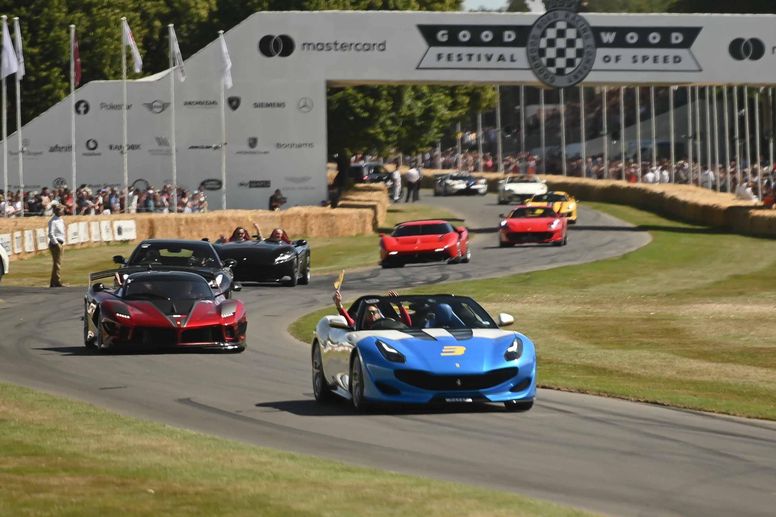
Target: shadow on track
[310,407]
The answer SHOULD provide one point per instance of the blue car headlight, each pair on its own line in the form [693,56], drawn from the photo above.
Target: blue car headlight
[284,257]
[390,353]
[514,351]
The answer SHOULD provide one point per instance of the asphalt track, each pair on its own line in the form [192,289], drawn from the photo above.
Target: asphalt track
[594,453]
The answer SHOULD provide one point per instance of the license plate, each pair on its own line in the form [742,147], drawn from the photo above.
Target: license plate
[459,400]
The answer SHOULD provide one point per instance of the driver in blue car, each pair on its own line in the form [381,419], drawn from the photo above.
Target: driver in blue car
[372,313]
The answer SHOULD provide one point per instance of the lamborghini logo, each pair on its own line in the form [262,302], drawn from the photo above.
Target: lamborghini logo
[449,351]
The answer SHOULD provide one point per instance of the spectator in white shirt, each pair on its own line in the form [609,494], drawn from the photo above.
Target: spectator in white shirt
[56,237]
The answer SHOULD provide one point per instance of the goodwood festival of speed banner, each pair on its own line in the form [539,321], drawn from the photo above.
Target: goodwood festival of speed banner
[561,48]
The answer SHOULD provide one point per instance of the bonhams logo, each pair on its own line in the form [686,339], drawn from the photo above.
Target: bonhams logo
[276,46]
[200,104]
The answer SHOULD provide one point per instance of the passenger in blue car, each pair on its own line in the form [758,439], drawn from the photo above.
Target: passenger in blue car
[372,313]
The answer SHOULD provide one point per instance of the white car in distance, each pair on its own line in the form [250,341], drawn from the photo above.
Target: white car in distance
[519,188]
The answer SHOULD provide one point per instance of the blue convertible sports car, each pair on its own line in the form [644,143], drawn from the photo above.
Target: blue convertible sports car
[420,350]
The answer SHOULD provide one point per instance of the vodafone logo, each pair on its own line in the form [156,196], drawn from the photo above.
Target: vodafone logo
[276,46]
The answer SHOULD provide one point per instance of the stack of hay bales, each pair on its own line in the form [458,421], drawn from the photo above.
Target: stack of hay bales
[372,196]
[307,221]
[682,202]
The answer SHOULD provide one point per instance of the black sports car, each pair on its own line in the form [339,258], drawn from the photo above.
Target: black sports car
[175,254]
[268,261]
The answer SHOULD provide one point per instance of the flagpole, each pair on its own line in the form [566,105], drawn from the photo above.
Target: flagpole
[542,121]
[173,154]
[698,141]
[715,112]
[522,118]
[638,132]
[223,140]
[622,131]
[604,93]
[757,144]
[5,134]
[737,136]
[124,152]
[672,130]
[563,131]
[653,127]
[708,129]
[726,121]
[583,130]
[72,107]
[479,141]
[689,132]
[747,140]
[18,37]
[499,131]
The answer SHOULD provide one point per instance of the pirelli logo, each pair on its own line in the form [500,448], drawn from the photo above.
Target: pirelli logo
[450,351]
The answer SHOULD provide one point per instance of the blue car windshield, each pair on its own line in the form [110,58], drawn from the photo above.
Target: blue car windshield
[426,312]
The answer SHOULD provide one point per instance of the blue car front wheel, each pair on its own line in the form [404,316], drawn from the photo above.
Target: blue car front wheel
[357,384]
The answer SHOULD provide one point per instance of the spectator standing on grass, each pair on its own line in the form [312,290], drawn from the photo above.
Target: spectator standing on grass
[707,178]
[56,238]
[413,184]
[396,187]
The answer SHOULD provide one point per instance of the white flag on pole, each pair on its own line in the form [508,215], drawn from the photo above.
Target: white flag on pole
[9,64]
[226,63]
[177,57]
[137,61]
[17,34]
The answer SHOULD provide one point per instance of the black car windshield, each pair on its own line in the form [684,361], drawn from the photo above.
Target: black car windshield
[425,312]
[182,255]
[550,197]
[167,288]
[461,177]
[409,230]
[532,212]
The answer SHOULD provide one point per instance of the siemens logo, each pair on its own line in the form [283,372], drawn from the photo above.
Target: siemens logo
[344,46]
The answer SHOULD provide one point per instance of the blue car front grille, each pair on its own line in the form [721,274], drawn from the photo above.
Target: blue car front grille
[481,381]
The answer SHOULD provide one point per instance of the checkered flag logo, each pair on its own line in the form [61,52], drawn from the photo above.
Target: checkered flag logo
[561,48]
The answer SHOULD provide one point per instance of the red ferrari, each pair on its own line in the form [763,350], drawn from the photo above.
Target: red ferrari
[532,224]
[162,309]
[424,241]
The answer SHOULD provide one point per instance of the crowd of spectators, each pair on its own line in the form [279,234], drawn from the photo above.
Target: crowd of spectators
[99,201]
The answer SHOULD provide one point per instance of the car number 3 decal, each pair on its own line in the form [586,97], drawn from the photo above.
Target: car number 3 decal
[449,351]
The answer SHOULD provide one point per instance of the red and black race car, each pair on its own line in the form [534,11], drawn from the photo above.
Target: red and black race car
[532,224]
[424,241]
[150,308]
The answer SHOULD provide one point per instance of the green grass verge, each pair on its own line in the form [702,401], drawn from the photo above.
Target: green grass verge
[685,321]
[328,254]
[60,457]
